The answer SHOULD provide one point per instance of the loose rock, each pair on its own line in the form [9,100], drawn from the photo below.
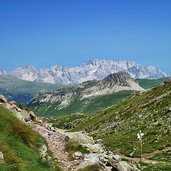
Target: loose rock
[78,155]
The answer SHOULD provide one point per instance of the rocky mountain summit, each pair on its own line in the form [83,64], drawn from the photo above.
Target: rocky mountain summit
[118,77]
[92,70]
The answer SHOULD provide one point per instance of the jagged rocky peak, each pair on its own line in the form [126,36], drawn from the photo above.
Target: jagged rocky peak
[2,72]
[30,67]
[121,81]
[119,76]
[56,67]
[92,70]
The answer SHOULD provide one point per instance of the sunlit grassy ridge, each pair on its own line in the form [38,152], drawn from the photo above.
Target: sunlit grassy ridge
[20,145]
[118,126]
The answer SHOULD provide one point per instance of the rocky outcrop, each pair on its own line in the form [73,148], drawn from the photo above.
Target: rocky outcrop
[77,155]
[2,99]
[118,77]
[108,161]
[25,116]
[97,155]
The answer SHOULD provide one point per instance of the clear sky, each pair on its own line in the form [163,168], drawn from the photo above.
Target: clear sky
[69,32]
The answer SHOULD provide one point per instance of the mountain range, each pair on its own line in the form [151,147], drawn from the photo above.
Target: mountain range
[92,70]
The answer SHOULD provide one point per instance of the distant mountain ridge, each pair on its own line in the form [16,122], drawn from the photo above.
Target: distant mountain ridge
[93,70]
[85,96]
[22,91]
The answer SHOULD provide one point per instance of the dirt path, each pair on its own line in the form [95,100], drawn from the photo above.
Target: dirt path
[55,140]
[151,155]
[130,159]
[56,143]
[147,158]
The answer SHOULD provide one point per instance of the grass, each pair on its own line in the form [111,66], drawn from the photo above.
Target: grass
[67,122]
[20,145]
[155,167]
[4,167]
[164,156]
[95,167]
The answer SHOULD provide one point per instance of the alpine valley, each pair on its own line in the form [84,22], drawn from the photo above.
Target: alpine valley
[85,118]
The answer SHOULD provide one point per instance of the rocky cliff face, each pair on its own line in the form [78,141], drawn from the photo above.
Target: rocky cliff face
[92,70]
[118,77]
[112,83]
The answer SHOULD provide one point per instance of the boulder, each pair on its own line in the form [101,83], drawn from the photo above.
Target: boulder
[124,166]
[95,148]
[25,116]
[32,116]
[17,108]
[78,155]
[89,159]
[13,102]
[98,141]
[66,139]
[116,157]
[106,156]
[169,109]
[2,99]
[103,159]
[108,168]
[43,151]
[27,119]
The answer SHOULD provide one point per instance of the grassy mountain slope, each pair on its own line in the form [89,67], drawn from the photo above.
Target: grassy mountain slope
[69,121]
[19,145]
[21,91]
[86,98]
[150,83]
[86,106]
[118,125]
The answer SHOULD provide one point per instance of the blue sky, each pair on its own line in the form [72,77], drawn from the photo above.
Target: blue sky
[69,32]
